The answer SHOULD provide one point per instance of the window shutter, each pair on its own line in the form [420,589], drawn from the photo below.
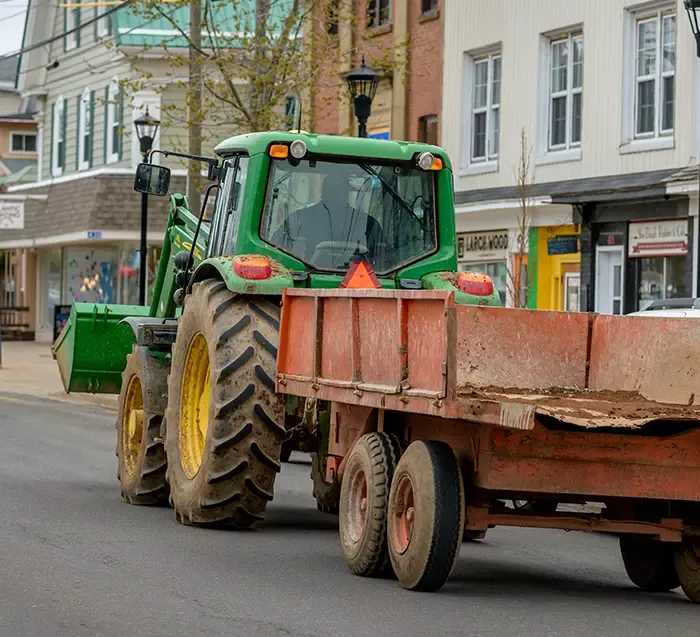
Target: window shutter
[53,136]
[77,33]
[120,99]
[65,141]
[65,25]
[106,126]
[91,125]
[77,134]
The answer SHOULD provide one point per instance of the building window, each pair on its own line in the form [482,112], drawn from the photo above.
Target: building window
[58,137]
[565,91]
[378,13]
[103,26]
[86,107]
[428,6]
[114,106]
[655,69]
[486,103]
[332,17]
[23,142]
[428,130]
[71,32]
[290,112]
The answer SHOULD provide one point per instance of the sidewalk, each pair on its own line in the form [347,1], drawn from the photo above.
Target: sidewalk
[28,368]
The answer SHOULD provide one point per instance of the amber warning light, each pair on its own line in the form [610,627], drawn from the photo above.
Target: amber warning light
[475,283]
[252,267]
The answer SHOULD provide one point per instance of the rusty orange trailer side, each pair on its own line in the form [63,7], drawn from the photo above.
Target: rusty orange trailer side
[547,407]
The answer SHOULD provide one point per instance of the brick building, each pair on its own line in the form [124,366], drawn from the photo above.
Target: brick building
[402,39]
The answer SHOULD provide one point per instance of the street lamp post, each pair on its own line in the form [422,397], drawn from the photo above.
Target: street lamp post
[363,84]
[692,7]
[146,127]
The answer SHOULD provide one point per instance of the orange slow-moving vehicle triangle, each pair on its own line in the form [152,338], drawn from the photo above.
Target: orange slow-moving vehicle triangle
[359,276]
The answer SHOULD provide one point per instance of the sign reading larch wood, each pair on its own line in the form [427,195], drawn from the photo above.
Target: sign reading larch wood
[482,246]
[11,215]
[658,238]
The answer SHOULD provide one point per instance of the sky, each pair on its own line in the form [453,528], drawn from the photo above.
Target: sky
[12,15]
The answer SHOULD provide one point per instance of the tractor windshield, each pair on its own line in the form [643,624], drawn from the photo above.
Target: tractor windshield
[330,214]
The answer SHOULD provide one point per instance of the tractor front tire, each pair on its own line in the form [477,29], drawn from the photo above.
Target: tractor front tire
[224,420]
[140,452]
[326,494]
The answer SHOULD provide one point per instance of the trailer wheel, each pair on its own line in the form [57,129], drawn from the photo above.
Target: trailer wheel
[141,462]
[688,568]
[224,431]
[364,499]
[426,515]
[649,563]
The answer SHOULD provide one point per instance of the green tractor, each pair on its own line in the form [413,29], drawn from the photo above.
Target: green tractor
[200,425]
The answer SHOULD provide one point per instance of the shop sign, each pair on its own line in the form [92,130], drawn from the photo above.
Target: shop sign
[379,133]
[563,244]
[483,246]
[658,238]
[11,215]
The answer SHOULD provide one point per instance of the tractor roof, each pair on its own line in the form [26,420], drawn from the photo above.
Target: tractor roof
[255,143]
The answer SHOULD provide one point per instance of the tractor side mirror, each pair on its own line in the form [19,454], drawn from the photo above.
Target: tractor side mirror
[152,180]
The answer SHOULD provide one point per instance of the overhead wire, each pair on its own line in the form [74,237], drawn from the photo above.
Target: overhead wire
[56,38]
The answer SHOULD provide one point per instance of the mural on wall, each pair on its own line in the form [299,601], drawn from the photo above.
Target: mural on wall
[90,275]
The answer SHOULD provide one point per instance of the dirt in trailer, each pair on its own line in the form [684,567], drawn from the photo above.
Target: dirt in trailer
[587,408]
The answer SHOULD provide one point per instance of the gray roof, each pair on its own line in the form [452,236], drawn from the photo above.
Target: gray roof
[23,170]
[592,189]
[8,70]
[25,116]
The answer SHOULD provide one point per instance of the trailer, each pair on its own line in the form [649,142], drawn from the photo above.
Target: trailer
[441,414]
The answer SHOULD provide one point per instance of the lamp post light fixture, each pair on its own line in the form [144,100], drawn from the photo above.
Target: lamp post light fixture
[692,8]
[363,84]
[146,129]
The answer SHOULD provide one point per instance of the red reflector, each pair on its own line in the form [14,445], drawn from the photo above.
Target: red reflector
[359,276]
[475,283]
[255,268]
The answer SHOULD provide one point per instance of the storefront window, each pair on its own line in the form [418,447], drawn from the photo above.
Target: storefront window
[53,282]
[496,270]
[661,278]
[129,273]
[90,275]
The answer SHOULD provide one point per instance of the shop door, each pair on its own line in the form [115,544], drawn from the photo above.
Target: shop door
[609,282]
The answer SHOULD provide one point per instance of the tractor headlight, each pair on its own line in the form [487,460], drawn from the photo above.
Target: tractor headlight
[297,149]
[425,161]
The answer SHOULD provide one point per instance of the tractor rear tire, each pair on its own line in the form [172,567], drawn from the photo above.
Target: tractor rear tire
[364,500]
[224,420]
[688,568]
[649,563]
[141,462]
[426,515]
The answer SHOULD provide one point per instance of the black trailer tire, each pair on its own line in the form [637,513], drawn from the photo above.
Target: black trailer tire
[364,499]
[326,494]
[688,568]
[222,465]
[426,515]
[141,462]
[649,563]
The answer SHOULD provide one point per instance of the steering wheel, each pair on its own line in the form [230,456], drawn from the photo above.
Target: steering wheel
[336,249]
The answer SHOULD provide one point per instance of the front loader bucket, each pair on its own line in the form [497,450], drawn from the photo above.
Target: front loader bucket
[92,348]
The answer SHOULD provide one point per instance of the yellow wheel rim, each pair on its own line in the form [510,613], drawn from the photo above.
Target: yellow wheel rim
[132,427]
[194,405]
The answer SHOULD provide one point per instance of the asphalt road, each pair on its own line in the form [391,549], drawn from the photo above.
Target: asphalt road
[76,561]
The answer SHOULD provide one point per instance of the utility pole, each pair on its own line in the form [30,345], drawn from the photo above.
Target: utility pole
[194,129]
